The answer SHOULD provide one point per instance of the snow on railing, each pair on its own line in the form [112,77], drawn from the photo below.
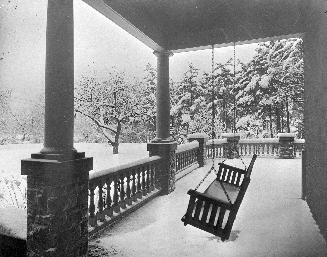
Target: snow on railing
[115,191]
[186,155]
[247,147]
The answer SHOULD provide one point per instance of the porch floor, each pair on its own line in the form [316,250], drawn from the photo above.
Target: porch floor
[272,221]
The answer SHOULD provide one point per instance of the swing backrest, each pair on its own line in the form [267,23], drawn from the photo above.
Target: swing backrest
[230,174]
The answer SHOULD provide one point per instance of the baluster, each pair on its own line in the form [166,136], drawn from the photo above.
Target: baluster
[122,191]
[264,151]
[116,198]
[188,158]
[92,217]
[108,200]
[148,178]
[143,181]
[139,192]
[100,214]
[152,176]
[128,188]
[134,187]
[184,159]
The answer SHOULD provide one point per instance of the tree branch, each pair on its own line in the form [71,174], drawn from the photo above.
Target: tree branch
[98,123]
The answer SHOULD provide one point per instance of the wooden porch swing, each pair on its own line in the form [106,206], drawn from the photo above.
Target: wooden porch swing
[215,209]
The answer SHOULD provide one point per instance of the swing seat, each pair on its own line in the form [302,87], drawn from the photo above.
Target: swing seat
[211,210]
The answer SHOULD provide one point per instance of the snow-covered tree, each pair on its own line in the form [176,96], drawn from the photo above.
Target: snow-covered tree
[271,85]
[147,100]
[110,104]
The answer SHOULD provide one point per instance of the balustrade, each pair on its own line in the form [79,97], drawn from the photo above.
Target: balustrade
[186,155]
[114,190]
[215,148]
[248,147]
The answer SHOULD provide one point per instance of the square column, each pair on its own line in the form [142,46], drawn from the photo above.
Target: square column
[202,138]
[230,149]
[286,145]
[57,177]
[168,165]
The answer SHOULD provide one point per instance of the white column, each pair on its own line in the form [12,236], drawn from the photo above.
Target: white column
[59,78]
[163,96]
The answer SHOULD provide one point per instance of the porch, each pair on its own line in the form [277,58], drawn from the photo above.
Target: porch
[58,176]
[272,220]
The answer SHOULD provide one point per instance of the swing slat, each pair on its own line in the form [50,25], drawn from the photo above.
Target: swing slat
[222,212]
[213,214]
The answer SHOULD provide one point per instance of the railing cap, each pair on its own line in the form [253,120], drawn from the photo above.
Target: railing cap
[228,135]
[187,146]
[285,135]
[217,141]
[117,169]
[258,140]
[197,135]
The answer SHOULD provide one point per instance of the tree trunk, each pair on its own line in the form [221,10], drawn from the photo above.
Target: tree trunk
[282,117]
[115,145]
[115,148]
[270,122]
[277,119]
[287,117]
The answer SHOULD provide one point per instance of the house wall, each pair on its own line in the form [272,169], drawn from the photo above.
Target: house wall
[315,115]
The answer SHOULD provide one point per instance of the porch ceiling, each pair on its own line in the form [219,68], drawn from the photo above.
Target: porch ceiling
[181,24]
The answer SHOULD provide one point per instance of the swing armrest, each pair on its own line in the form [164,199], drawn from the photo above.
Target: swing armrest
[203,197]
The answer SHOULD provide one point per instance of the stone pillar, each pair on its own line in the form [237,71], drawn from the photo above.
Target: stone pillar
[163,97]
[57,177]
[57,206]
[231,147]
[59,78]
[167,150]
[202,138]
[286,145]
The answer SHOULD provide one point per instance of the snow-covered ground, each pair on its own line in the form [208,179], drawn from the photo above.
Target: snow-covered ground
[11,155]
[272,221]
[13,185]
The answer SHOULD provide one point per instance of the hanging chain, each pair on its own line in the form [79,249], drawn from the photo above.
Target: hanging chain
[213,124]
[234,75]
[213,116]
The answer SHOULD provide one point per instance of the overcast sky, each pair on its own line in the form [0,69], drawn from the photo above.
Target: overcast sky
[99,45]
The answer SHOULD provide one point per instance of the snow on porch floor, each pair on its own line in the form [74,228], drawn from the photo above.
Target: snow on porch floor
[272,221]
